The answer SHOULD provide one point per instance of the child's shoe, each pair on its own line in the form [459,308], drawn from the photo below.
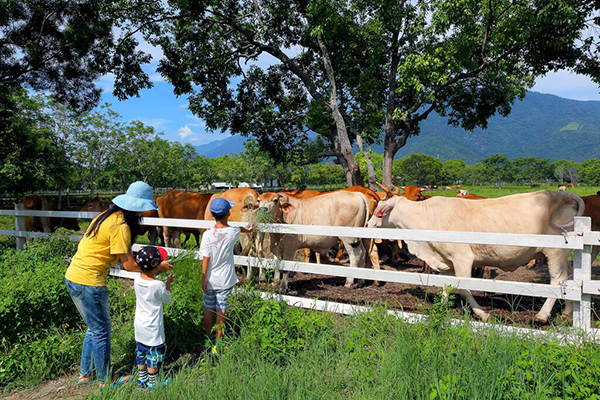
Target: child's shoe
[143,382]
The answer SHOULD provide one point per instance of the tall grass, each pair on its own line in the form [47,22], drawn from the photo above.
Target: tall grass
[375,356]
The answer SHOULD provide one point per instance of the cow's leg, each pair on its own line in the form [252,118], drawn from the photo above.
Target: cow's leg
[318,257]
[340,252]
[46,223]
[176,234]
[463,268]
[153,236]
[595,251]
[559,269]
[373,259]
[167,236]
[306,252]
[197,237]
[356,252]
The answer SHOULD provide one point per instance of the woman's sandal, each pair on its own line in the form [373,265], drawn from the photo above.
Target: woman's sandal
[118,381]
[83,380]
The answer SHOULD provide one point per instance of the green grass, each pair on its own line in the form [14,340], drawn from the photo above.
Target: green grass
[505,190]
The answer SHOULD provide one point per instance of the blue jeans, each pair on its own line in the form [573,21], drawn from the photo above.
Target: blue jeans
[92,304]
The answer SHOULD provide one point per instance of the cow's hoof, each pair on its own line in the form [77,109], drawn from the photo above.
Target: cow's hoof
[378,283]
[542,319]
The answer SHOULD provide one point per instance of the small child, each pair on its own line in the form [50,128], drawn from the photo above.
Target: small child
[218,270]
[150,294]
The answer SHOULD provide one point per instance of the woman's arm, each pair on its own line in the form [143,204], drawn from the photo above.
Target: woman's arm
[129,262]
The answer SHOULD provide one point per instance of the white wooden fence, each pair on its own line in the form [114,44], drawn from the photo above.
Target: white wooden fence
[579,289]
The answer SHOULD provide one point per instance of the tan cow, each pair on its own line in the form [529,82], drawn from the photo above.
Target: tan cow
[182,205]
[45,224]
[543,212]
[98,205]
[241,197]
[341,208]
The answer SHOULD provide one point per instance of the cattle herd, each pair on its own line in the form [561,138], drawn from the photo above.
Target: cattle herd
[542,212]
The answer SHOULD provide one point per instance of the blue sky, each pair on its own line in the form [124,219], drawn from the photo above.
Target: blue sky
[160,108]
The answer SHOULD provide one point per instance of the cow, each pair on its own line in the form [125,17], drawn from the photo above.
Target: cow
[412,193]
[569,185]
[98,205]
[562,188]
[245,200]
[340,208]
[462,193]
[182,205]
[542,212]
[373,199]
[45,224]
[592,210]
[471,196]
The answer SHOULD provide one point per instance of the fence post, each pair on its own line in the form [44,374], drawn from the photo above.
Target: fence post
[19,226]
[582,271]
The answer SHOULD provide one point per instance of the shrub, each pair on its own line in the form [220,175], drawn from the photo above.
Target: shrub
[280,331]
[550,371]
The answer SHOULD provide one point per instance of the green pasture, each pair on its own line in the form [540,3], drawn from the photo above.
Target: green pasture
[506,190]
[273,351]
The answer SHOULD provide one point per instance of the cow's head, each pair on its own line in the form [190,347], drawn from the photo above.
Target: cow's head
[249,204]
[413,193]
[275,204]
[384,208]
[96,204]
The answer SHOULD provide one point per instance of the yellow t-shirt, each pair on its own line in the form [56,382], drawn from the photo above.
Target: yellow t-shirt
[95,255]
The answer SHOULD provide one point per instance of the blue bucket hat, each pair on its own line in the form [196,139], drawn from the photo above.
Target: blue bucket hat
[220,206]
[137,198]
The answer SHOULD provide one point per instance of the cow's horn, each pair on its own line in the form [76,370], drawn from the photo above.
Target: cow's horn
[396,190]
[388,192]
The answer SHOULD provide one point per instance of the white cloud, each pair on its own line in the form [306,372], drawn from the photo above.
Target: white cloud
[184,132]
[107,82]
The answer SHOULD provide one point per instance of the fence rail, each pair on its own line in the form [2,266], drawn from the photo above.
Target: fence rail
[579,289]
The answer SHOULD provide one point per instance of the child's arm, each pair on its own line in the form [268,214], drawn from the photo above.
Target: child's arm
[205,261]
[249,229]
[169,280]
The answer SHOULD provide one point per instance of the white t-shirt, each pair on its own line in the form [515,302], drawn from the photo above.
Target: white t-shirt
[149,299]
[217,244]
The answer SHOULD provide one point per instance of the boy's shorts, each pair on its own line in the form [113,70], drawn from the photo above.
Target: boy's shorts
[151,356]
[216,299]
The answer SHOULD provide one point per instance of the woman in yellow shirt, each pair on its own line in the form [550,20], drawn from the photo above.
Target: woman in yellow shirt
[107,240]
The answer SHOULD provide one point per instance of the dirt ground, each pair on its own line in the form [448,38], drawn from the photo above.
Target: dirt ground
[64,387]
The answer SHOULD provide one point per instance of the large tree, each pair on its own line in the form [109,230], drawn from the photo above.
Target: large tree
[350,69]
[64,46]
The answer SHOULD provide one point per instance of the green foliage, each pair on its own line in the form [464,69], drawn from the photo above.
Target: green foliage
[441,308]
[280,331]
[591,171]
[550,371]
[421,169]
[33,297]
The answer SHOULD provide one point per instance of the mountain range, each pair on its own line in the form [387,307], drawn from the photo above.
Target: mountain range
[541,125]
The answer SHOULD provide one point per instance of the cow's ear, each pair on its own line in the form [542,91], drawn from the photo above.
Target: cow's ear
[287,207]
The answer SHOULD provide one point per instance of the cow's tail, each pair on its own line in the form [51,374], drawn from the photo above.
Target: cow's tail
[580,208]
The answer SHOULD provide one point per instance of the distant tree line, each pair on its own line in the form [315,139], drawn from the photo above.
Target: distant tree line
[47,145]
[423,169]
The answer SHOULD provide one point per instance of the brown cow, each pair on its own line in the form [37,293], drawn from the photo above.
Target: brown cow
[241,197]
[98,205]
[183,205]
[592,210]
[412,193]
[45,224]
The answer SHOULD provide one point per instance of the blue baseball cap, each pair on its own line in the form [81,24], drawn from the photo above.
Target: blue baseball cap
[137,198]
[220,206]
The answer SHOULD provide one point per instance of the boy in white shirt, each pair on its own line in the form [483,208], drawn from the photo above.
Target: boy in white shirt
[218,270]
[150,294]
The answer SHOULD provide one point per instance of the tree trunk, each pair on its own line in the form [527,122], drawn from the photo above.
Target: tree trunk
[342,145]
[59,198]
[370,169]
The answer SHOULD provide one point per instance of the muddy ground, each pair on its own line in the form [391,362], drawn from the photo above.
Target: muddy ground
[507,309]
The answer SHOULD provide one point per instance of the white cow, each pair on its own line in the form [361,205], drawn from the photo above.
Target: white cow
[339,208]
[542,212]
